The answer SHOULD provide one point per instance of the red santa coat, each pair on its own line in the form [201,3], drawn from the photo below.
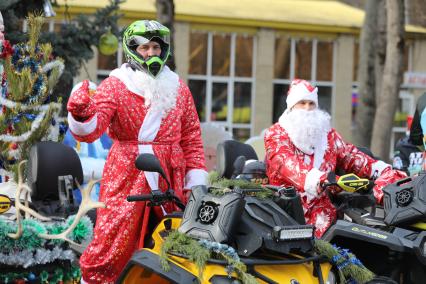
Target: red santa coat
[176,141]
[288,166]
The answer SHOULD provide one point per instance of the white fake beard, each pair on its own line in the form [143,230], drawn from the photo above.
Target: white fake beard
[160,93]
[307,129]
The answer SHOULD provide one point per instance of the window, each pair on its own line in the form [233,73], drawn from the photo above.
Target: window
[221,80]
[305,59]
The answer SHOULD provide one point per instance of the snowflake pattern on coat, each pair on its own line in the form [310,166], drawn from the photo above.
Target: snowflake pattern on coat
[286,165]
[121,227]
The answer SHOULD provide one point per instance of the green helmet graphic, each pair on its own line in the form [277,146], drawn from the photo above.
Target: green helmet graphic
[142,32]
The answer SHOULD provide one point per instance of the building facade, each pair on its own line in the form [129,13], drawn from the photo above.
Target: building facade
[238,57]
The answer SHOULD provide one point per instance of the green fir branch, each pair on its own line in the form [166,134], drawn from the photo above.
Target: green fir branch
[180,243]
[347,268]
[35,21]
[220,186]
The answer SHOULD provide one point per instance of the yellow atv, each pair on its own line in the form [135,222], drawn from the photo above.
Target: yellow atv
[145,267]
[268,242]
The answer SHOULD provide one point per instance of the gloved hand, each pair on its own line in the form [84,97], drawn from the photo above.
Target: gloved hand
[80,105]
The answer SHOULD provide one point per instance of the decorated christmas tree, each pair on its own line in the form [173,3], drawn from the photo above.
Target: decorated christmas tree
[27,113]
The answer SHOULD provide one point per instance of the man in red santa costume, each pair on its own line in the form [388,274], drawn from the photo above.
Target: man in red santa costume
[302,148]
[145,108]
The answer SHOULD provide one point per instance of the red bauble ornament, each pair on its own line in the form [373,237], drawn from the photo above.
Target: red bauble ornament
[13,146]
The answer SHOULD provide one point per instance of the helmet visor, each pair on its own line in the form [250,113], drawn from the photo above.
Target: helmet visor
[137,40]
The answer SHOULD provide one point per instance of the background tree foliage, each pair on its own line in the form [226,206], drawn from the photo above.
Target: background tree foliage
[74,40]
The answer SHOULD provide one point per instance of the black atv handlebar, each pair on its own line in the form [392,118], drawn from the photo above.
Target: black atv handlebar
[157,198]
[142,197]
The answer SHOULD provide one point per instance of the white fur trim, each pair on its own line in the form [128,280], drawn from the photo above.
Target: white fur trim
[160,93]
[312,182]
[82,128]
[298,93]
[319,151]
[195,177]
[377,168]
[151,177]
[150,126]
[147,133]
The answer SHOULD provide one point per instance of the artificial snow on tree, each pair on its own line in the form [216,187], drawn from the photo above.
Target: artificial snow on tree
[27,114]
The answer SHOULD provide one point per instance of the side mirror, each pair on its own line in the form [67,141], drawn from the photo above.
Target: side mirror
[238,166]
[331,177]
[149,163]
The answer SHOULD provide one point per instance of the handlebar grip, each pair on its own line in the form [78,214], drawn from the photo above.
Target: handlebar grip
[141,197]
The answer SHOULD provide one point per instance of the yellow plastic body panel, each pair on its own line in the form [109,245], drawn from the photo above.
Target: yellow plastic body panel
[303,273]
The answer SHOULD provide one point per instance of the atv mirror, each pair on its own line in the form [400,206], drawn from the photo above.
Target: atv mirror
[149,163]
[239,165]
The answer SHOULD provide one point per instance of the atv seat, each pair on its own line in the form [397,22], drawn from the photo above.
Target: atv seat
[52,171]
[227,152]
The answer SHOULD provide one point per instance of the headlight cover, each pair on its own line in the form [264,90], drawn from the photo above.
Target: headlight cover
[291,233]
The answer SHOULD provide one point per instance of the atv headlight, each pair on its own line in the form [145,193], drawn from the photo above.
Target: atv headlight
[290,233]
[331,279]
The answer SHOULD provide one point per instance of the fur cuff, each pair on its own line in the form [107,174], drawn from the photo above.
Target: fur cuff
[82,128]
[195,177]
[312,182]
[377,168]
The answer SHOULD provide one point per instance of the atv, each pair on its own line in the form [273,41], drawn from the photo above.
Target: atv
[273,246]
[394,232]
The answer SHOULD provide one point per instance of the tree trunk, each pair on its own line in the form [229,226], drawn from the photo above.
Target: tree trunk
[166,16]
[392,77]
[380,50]
[367,104]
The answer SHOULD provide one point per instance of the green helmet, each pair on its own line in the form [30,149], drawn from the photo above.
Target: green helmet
[142,32]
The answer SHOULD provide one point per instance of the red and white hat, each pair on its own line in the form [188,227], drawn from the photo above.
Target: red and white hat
[301,90]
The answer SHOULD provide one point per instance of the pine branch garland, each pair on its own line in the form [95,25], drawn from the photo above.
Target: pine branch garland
[198,254]
[349,267]
[220,186]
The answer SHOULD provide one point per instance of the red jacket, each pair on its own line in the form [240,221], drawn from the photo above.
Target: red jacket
[288,166]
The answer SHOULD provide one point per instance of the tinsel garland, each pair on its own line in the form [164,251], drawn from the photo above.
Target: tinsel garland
[350,268]
[5,49]
[31,249]
[30,257]
[199,252]
[24,136]
[220,186]
[59,275]
[54,131]
[12,104]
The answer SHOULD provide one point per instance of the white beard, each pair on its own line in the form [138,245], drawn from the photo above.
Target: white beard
[159,93]
[307,129]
